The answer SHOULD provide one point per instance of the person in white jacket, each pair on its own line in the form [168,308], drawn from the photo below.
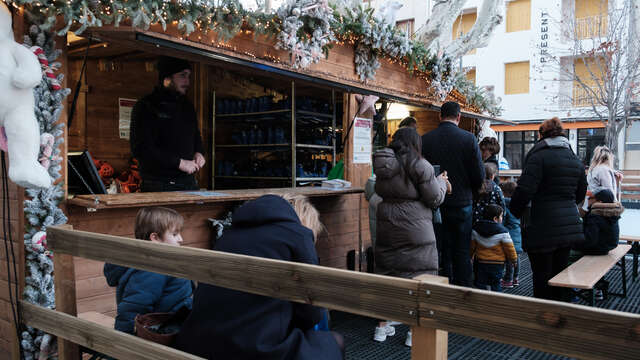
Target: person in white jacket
[602,175]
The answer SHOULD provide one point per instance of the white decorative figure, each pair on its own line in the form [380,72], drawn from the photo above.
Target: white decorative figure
[20,72]
[387,12]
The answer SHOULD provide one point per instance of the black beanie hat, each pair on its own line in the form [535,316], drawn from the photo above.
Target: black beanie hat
[605,196]
[168,66]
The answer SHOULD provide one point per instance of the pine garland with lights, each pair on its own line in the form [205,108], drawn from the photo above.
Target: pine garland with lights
[372,38]
[42,209]
[477,97]
[306,28]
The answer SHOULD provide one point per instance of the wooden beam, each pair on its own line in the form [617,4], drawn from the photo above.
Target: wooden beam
[365,294]
[65,285]
[559,328]
[94,336]
[572,330]
[429,343]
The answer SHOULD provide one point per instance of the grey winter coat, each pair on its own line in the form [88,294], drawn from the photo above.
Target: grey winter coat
[405,240]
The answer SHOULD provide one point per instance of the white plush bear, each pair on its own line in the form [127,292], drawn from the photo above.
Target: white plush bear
[20,72]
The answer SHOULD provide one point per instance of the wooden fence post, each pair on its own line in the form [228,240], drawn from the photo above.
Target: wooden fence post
[429,343]
[65,285]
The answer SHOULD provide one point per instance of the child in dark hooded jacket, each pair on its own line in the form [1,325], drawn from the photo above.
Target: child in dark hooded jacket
[601,230]
[143,292]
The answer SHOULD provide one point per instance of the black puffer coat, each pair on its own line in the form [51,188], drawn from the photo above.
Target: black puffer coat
[405,240]
[601,230]
[554,180]
[230,324]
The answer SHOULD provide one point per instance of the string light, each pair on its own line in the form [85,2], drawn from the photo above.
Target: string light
[227,20]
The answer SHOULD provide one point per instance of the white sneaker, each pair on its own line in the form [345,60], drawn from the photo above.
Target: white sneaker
[407,342]
[393,323]
[381,333]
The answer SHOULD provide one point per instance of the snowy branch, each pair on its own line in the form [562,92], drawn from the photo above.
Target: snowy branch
[489,17]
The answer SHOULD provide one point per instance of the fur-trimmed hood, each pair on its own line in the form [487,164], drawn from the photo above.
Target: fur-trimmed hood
[607,210]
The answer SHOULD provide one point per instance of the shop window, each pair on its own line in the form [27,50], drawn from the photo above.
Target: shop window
[518,15]
[516,78]
[588,139]
[591,18]
[463,25]
[406,26]
[516,146]
[471,75]
[590,71]
[632,147]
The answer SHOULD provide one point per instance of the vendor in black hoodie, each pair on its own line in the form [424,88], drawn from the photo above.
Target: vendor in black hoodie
[164,132]
[601,231]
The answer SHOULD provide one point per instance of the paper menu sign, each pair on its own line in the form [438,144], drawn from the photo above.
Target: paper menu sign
[362,140]
[125,106]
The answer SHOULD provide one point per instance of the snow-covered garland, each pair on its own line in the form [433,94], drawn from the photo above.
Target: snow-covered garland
[306,30]
[42,209]
[476,96]
[373,38]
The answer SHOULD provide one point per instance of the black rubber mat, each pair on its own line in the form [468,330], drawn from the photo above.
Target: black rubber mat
[358,330]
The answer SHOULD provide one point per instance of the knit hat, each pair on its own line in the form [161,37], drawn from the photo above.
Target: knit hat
[605,196]
[168,66]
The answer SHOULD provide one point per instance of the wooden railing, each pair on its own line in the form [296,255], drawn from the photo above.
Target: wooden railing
[591,27]
[431,307]
[582,97]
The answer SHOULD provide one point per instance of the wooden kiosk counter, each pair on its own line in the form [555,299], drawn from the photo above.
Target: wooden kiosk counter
[115,214]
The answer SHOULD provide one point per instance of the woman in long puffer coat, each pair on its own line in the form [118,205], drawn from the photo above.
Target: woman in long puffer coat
[405,240]
[554,181]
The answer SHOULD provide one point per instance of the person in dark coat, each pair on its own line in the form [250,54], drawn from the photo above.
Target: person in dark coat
[554,181]
[230,324]
[164,132]
[601,230]
[405,239]
[143,292]
[457,152]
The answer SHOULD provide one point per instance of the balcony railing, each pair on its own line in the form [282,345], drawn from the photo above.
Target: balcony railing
[591,27]
[581,96]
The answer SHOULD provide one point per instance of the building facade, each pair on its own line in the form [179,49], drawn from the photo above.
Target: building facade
[528,64]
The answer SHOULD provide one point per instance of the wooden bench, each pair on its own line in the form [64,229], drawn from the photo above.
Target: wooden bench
[635,250]
[588,270]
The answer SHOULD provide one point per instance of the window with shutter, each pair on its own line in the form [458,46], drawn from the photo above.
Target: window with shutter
[471,75]
[591,18]
[518,15]
[463,25]
[516,78]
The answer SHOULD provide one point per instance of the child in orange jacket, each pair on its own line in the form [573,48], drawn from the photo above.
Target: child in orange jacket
[491,246]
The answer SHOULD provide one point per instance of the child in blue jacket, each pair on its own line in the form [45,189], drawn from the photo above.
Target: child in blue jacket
[142,292]
[512,223]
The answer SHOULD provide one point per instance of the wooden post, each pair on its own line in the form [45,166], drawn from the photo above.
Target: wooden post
[357,174]
[429,343]
[65,285]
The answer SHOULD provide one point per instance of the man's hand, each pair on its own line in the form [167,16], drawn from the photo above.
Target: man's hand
[188,166]
[199,160]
